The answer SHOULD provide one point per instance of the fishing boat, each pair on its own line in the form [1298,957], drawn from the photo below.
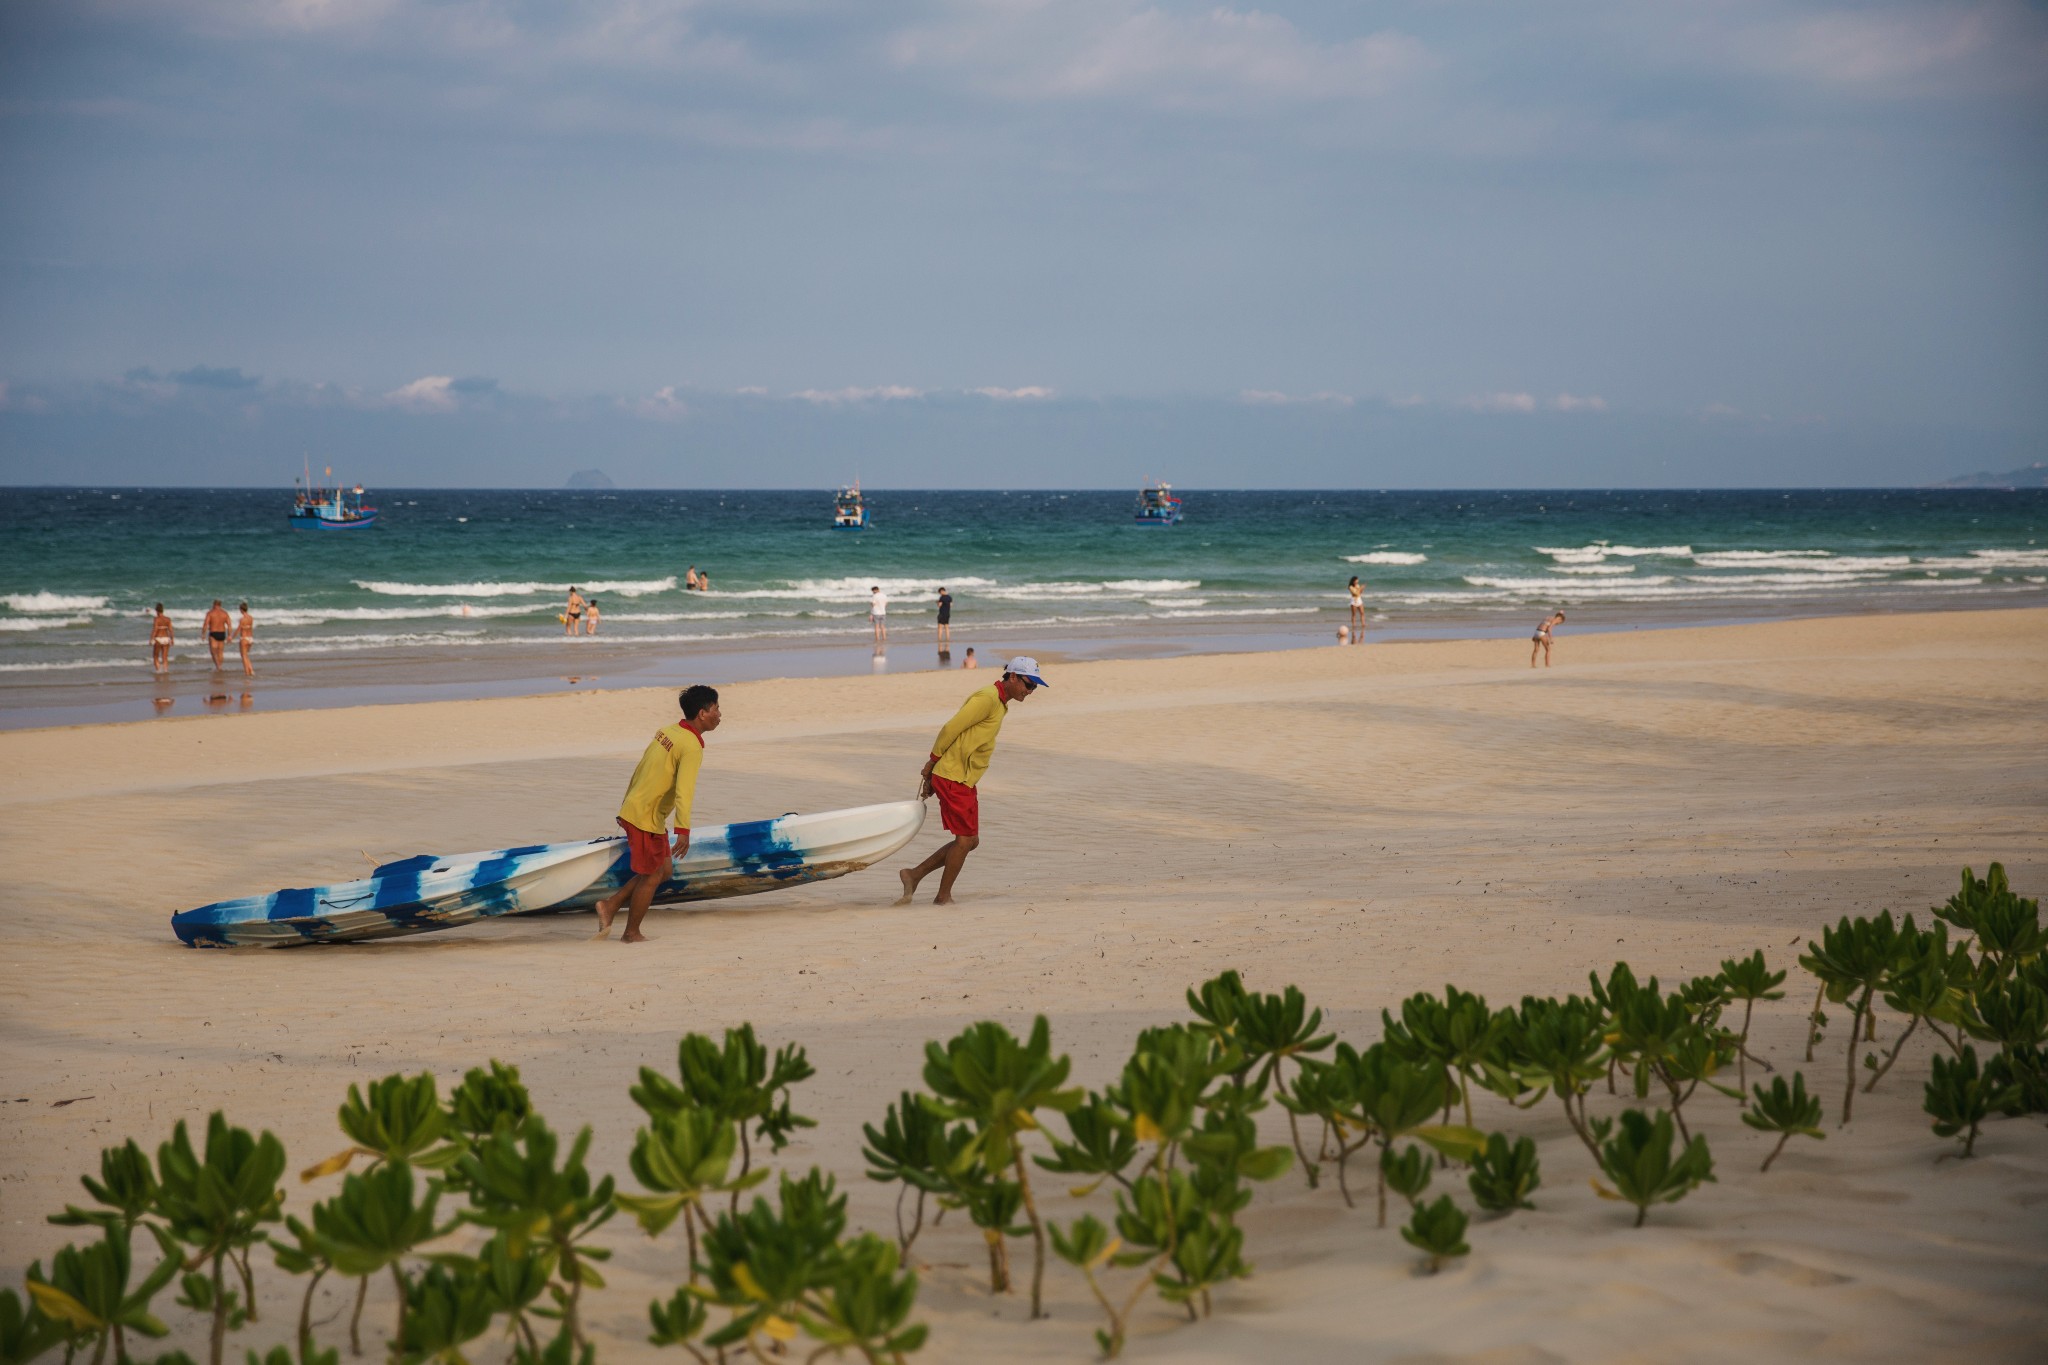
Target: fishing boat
[316,507]
[849,513]
[422,894]
[1157,506]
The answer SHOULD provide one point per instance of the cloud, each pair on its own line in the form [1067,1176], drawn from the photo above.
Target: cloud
[1500,402]
[1029,392]
[1567,402]
[1936,45]
[430,393]
[751,391]
[885,393]
[1078,49]
[664,406]
[1274,398]
[210,377]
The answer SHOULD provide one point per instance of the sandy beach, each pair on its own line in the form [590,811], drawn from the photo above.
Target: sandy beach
[1363,823]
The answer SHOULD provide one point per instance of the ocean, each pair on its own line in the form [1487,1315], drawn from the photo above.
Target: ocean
[473,577]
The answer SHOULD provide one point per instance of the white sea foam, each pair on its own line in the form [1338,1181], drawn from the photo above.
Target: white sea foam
[56,664]
[52,601]
[1981,560]
[1600,550]
[1798,559]
[855,589]
[1593,568]
[1539,585]
[1153,584]
[1386,557]
[631,587]
[42,622]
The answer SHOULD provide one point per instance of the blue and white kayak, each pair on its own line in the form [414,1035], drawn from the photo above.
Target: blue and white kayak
[421,894]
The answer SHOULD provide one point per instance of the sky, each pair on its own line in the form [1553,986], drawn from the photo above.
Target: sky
[1013,243]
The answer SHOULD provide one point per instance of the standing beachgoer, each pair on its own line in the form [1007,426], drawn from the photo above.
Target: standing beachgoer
[161,633]
[690,579]
[216,627]
[572,614]
[1541,639]
[1357,608]
[245,636]
[970,661]
[590,618]
[665,781]
[878,614]
[959,757]
[945,618]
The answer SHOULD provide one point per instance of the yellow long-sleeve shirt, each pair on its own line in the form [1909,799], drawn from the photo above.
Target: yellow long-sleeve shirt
[966,742]
[665,779]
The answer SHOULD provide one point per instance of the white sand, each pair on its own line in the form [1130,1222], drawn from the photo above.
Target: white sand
[1364,823]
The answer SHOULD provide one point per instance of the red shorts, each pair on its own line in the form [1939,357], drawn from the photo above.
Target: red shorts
[650,851]
[959,807]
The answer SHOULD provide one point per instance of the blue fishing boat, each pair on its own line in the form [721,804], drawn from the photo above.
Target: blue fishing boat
[849,512]
[1157,506]
[317,508]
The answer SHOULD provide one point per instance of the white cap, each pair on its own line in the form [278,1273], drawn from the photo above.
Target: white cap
[1026,667]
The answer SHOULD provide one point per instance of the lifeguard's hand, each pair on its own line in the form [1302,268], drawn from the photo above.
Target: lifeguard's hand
[682,843]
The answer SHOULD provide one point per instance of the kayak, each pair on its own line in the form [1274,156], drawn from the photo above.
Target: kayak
[425,893]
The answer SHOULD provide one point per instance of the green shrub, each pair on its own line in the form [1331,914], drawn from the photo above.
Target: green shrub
[1406,1174]
[1639,1160]
[1786,1111]
[1960,1098]
[1749,980]
[1457,1032]
[126,1190]
[1438,1232]
[735,1081]
[401,1119]
[217,1205]
[2007,928]
[521,1185]
[1852,960]
[86,1295]
[1504,1177]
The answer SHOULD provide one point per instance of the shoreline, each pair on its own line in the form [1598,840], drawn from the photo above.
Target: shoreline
[330,682]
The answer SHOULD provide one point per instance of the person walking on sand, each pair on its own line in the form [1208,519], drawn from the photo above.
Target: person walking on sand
[878,614]
[216,627]
[161,633]
[1357,608]
[959,757]
[1541,639]
[590,618]
[664,783]
[245,636]
[572,614]
[945,618]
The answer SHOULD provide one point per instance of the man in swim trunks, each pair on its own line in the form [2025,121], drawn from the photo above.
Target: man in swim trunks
[216,627]
[245,636]
[960,756]
[572,614]
[161,633]
[665,781]
[878,614]
[945,618]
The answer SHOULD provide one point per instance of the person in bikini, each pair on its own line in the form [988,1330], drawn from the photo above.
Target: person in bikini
[664,783]
[1357,608]
[590,618]
[572,614]
[245,636]
[959,757]
[161,633]
[216,627]
[1541,639]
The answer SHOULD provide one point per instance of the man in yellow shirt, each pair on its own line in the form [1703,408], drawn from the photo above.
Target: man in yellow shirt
[665,781]
[960,756]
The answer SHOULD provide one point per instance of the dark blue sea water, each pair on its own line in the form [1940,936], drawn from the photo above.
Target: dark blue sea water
[487,570]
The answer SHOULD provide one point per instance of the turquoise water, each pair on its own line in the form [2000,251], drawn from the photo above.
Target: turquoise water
[484,570]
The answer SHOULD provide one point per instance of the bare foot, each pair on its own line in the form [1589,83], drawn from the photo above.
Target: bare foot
[909,887]
[942,899]
[633,936]
[606,912]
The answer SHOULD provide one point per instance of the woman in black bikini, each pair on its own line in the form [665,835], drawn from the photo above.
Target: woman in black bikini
[1542,638]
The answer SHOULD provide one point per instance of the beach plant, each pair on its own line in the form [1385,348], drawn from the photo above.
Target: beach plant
[1503,1176]
[992,1202]
[1090,1247]
[401,1119]
[1328,1093]
[2012,1012]
[1749,979]
[986,1077]
[126,1191]
[1960,1097]
[2007,927]
[521,1183]
[488,1101]
[1929,982]
[1785,1110]
[302,1255]
[917,1149]
[1406,1173]
[216,1205]
[276,1355]
[682,1158]
[1457,1032]
[736,1080]
[376,1220]
[1852,961]
[87,1294]
[1399,1099]
[678,1321]
[25,1330]
[1561,1045]
[1437,1231]
[560,1350]
[446,1308]
[1103,1145]
[1268,1031]
[1636,1153]
[1660,1039]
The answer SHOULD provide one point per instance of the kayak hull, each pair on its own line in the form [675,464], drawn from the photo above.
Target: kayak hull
[424,894]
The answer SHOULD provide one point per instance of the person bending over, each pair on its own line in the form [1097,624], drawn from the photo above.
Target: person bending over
[959,757]
[1540,641]
[665,782]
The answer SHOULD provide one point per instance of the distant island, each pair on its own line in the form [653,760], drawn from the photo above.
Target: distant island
[589,478]
[2033,475]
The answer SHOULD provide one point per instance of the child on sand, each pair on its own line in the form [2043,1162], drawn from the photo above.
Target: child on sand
[960,756]
[665,782]
[1541,638]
